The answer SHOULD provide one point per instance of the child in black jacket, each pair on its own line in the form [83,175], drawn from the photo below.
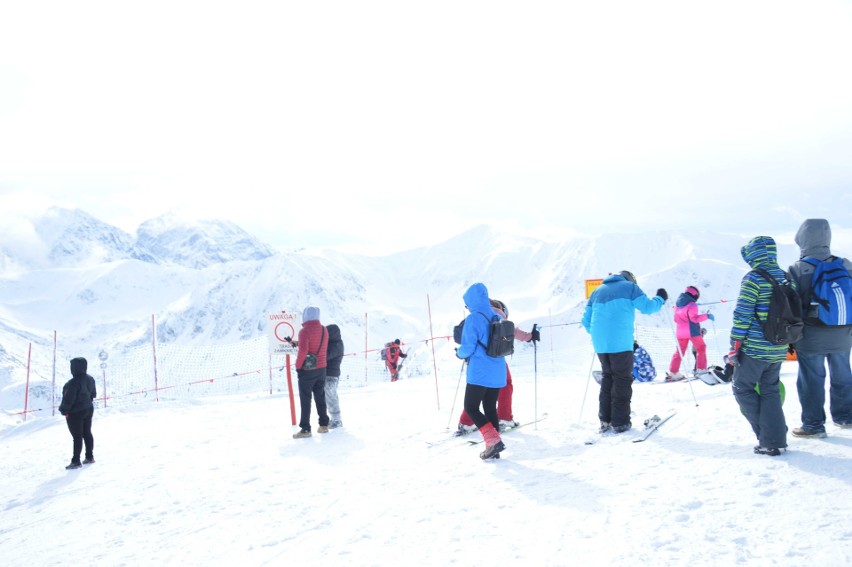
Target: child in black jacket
[78,408]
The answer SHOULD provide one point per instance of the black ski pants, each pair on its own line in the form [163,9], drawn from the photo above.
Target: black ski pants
[616,387]
[474,396]
[80,426]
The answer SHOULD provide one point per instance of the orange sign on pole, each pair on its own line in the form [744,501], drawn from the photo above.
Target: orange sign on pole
[592,285]
[290,390]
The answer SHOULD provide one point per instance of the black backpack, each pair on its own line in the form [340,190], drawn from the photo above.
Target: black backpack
[501,336]
[784,322]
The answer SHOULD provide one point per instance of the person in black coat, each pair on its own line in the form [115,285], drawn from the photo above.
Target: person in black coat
[332,375]
[78,408]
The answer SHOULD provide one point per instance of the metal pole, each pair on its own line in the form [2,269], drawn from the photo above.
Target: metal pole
[432,341]
[154,347]
[27,391]
[453,408]
[53,390]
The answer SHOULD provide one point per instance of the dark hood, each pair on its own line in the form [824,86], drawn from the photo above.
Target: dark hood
[814,239]
[333,332]
[684,299]
[79,366]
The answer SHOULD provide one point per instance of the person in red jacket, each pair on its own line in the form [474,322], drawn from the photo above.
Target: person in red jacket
[311,362]
[504,400]
[393,352]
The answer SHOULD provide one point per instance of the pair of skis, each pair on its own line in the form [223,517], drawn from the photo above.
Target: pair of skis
[652,424]
[508,429]
[480,440]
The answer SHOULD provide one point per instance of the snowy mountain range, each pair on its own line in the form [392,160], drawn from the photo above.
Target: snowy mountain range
[208,283]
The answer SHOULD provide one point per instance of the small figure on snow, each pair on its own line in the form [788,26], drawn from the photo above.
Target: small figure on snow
[78,408]
[393,354]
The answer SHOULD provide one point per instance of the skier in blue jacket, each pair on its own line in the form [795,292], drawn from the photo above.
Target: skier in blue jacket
[485,374]
[609,318]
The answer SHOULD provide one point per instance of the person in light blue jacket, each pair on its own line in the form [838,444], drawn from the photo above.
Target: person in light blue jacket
[485,374]
[609,318]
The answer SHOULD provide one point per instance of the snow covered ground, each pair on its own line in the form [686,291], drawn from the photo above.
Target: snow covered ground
[221,481]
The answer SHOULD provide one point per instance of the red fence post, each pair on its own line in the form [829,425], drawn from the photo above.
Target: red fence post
[27,393]
[290,390]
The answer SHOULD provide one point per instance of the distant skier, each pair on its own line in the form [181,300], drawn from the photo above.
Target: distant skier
[393,352]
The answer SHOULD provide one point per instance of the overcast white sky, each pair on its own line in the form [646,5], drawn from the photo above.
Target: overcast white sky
[369,125]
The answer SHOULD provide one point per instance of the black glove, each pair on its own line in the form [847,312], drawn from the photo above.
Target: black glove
[536,335]
[662,293]
[403,355]
[288,339]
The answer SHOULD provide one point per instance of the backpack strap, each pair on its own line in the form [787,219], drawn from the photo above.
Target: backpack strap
[485,347]
[322,338]
[768,277]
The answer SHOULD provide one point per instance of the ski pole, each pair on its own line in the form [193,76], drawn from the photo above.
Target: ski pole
[715,334]
[535,379]
[716,340]
[453,409]
[674,332]
[591,365]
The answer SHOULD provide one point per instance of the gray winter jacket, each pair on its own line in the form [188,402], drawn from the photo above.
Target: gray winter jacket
[814,240]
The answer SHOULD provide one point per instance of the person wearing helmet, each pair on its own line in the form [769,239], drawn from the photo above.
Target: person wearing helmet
[609,317]
[688,322]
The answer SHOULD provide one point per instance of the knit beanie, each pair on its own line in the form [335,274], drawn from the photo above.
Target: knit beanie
[311,313]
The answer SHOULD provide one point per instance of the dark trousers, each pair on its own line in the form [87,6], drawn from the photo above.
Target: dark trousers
[616,387]
[762,410]
[80,426]
[487,397]
[312,385]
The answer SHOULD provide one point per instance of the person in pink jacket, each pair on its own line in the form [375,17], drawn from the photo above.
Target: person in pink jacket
[688,321]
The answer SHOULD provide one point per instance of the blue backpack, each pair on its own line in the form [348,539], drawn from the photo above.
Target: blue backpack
[831,292]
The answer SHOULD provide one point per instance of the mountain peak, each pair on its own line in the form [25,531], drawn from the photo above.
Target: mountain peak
[198,243]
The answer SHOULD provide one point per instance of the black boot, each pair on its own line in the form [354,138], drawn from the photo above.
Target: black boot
[492,452]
